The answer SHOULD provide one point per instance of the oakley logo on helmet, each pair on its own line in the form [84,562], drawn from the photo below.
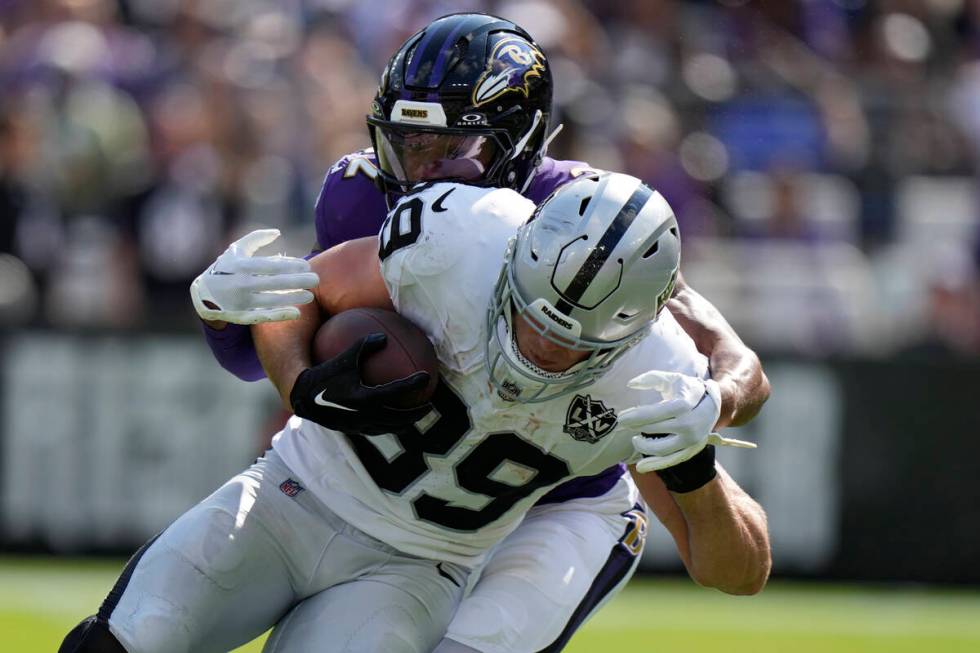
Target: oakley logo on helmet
[473,119]
[513,64]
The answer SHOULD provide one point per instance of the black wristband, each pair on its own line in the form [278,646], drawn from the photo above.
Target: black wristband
[691,474]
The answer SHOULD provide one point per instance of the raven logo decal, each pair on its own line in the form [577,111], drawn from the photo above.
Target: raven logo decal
[636,530]
[513,64]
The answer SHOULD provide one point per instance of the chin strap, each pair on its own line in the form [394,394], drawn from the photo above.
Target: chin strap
[521,144]
[541,155]
[547,141]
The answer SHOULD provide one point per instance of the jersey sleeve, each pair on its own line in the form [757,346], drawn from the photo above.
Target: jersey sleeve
[234,350]
[552,174]
[441,253]
[349,205]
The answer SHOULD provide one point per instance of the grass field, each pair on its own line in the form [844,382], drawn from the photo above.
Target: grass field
[40,599]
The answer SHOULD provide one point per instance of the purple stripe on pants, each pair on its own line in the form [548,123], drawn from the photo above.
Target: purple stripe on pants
[618,566]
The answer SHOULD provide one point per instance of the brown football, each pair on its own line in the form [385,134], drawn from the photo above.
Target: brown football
[407,350]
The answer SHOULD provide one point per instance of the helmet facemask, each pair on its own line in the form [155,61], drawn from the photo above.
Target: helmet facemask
[512,374]
[590,271]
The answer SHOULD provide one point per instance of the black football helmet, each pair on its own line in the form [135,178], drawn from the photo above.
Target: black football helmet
[467,98]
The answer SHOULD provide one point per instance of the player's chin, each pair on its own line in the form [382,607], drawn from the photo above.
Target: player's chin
[552,364]
[553,367]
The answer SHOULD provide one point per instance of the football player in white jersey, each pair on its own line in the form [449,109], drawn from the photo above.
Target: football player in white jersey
[444,65]
[349,542]
[579,359]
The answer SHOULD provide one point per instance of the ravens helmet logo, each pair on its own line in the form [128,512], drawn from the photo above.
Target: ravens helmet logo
[513,63]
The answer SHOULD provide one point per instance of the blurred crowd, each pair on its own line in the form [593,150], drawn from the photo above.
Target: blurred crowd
[821,155]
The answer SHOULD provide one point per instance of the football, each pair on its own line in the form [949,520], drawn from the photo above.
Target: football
[407,350]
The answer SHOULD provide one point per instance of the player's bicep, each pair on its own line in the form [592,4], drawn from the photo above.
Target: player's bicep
[350,277]
[701,320]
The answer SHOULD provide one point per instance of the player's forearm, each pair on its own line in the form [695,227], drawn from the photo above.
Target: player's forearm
[284,348]
[727,536]
[660,501]
[735,367]
[234,350]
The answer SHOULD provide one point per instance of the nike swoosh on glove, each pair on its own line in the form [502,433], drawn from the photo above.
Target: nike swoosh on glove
[333,394]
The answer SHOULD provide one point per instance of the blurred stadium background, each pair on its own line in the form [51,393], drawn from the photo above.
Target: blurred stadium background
[821,155]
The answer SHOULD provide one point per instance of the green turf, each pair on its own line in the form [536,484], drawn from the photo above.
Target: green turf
[40,599]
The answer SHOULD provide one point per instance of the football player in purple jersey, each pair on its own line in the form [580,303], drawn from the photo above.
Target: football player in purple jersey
[468,98]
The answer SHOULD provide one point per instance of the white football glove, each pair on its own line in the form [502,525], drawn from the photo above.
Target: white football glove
[686,416]
[243,289]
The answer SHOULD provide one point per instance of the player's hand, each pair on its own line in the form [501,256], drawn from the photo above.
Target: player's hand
[333,394]
[246,289]
[679,427]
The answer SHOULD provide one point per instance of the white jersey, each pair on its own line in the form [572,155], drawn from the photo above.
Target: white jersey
[465,478]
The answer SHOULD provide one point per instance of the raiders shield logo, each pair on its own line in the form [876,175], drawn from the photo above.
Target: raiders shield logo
[588,420]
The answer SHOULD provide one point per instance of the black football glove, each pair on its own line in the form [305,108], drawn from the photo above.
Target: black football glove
[333,395]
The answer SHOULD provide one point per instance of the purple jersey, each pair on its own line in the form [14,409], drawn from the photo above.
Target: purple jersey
[351,206]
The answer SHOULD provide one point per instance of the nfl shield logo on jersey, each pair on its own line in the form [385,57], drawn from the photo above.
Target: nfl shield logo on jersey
[588,420]
[290,488]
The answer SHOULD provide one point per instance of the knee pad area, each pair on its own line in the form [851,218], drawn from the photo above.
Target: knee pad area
[91,636]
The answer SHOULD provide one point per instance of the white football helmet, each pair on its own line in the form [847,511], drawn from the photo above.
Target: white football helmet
[591,268]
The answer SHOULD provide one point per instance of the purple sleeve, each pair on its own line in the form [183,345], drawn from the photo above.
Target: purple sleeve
[349,206]
[550,175]
[235,351]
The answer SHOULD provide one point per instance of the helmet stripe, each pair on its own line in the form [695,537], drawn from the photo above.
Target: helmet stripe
[416,59]
[426,50]
[433,48]
[437,69]
[600,253]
